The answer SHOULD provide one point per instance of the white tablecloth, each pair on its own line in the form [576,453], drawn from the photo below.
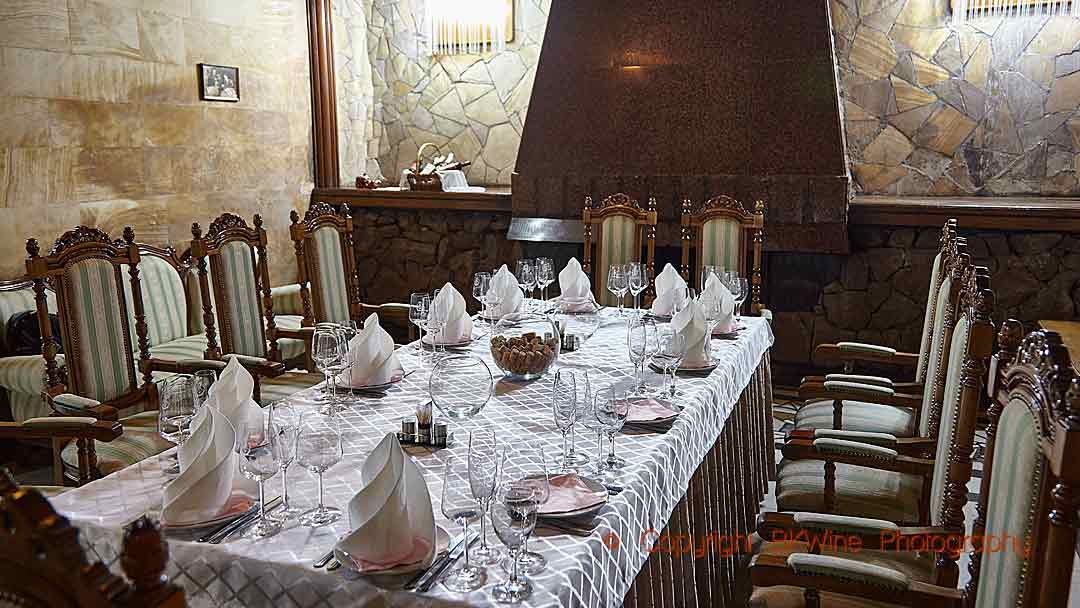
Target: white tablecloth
[581,572]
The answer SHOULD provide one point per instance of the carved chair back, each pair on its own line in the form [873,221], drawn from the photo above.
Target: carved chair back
[232,266]
[620,226]
[325,259]
[17,296]
[724,234]
[98,309]
[43,565]
[1026,519]
[937,275]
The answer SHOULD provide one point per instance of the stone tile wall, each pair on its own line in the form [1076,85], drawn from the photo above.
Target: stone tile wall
[101,124]
[986,108]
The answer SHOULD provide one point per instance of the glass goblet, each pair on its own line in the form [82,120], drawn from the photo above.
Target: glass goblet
[617,284]
[459,505]
[319,447]
[669,355]
[418,316]
[485,467]
[527,466]
[612,408]
[513,515]
[284,428]
[636,280]
[564,406]
[259,461]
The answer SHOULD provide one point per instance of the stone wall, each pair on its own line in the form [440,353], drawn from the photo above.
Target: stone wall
[878,293]
[473,105]
[101,123]
[986,108]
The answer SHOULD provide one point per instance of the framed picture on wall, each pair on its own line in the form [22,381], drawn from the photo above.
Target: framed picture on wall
[218,83]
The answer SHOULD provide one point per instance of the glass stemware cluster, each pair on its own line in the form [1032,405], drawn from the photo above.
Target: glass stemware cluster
[330,351]
[180,397]
[429,314]
[642,343]
[570,393]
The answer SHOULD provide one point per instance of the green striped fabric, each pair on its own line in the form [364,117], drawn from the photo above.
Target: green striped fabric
[618,234]
[1016,476]
[721,242]
[25,406]
[858,416]
[287,300]
[935,355]
[194,298]
[139,441]
[331,280]
[188,347]
[928,321]
[860,491]
[950,406]
[14,302]
[290,348]
[25,373]
[164,301]
[245,314]
[104,362]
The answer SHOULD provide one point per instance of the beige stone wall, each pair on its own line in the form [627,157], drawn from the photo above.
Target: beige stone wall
[473,105]
[101,124]
[986,108]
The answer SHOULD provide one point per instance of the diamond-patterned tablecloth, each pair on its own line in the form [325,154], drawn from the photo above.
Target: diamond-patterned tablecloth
[591,571]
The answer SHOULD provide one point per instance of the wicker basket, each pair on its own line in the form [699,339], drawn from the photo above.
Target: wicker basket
[428,183]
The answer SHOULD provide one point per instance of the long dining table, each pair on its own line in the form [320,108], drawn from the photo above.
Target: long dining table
[671,538]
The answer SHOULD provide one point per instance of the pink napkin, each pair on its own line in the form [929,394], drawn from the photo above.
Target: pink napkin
[422,550]
[569,493]
[649,410]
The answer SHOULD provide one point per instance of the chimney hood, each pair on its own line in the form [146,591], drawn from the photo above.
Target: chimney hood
[684,98]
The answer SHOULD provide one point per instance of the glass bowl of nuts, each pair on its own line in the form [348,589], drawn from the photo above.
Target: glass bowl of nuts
[525,345]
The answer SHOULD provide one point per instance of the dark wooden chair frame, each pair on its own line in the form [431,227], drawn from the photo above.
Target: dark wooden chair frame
[593,216]
[753,226]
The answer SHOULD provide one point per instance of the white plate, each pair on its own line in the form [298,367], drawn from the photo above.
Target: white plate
[442,542]
[465,342]
[373,387]
[239,504]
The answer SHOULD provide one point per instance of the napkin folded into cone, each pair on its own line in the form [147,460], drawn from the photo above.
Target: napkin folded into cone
[372,360]
[231,394]
[504,285]
[670,288]
[716,294]
[390,517]
[690,322]
[450,305]
[575,289]
[209,484]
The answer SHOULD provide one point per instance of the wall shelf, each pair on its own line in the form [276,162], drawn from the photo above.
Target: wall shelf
[1029,213]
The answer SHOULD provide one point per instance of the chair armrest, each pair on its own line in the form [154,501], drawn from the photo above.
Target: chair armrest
[48,427]
[68,404]
[860,379]
[835,355]
[770,570]
[296,333]
[287,300]
[854,453]
[918,447]
[183,366]
[861,393]
[877,534]
[883,440]
[856,388]
[258,365]
[832,445]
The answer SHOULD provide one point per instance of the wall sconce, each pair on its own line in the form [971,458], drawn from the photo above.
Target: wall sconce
[469,27]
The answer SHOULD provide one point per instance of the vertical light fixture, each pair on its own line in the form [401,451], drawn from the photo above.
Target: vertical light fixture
[467,26]
[970,10]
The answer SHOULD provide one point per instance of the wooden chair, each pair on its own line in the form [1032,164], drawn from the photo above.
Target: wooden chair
[888,477]
[98,314]
[239,302]
[43,564]
[621,227]
[724,234]
[1027,507]
[327,270]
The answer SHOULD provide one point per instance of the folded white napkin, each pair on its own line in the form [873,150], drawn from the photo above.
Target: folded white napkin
[208,485]
[391,518]
[505,284]
[690,322]
[231,394]
[372,359]
[575,289]
[459,325]
[669,287]
[717,293]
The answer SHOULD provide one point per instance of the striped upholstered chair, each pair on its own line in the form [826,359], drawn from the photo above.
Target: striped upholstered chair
[1024,534]
[722,233]
[896,479]
[234,281]
[103,326]
[22,376]
[621,229]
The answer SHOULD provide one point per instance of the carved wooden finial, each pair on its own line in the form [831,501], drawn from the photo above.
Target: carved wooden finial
[294,216]
[196,230]
[345,214]
[144,556]
[1010,335]
[258,221]
[33,248]
[652,203]
[588,202]
[759,207]
[129,235]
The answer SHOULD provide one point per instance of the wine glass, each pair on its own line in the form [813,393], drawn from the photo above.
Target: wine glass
[617,284]
[438,317]
[564,405]
[418,316]
[201,382]
[612,408]
[480,287]
[176,409]
[259,460]
[742,289]
[526,278]
[589,420]
[284,427]
[706,272]
[637,280]
[513,515]
[527,466]
[641,339]
[318,447]
[485,467]
[459,505]
[329,356]
[545,275]
[460,386]
[670,354]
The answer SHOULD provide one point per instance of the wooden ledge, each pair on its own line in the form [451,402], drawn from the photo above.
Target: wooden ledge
[495,200]
[980,213]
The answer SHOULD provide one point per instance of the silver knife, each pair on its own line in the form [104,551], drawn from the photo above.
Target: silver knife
[325,559]
[433,576]
[454,546]
[242,523]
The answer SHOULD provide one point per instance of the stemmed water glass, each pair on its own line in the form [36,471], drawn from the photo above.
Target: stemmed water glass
[527,466]
[438,317]
[617,284]
[485,468]
[260,460]
[612,408]
[526,278]
[459,505]
[319,447]
[418,313]
[545,275]
[670,354]
[460,386]
[285,426]
[564,405]
[480,287]
[330,354]
[176,409]
[201,382]
[513,515]
[587,414]
[641,340]
[636,280]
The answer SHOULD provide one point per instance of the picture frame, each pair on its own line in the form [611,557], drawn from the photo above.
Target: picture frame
[219,83]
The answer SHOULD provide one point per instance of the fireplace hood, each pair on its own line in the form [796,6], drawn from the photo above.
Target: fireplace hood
[684,98]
